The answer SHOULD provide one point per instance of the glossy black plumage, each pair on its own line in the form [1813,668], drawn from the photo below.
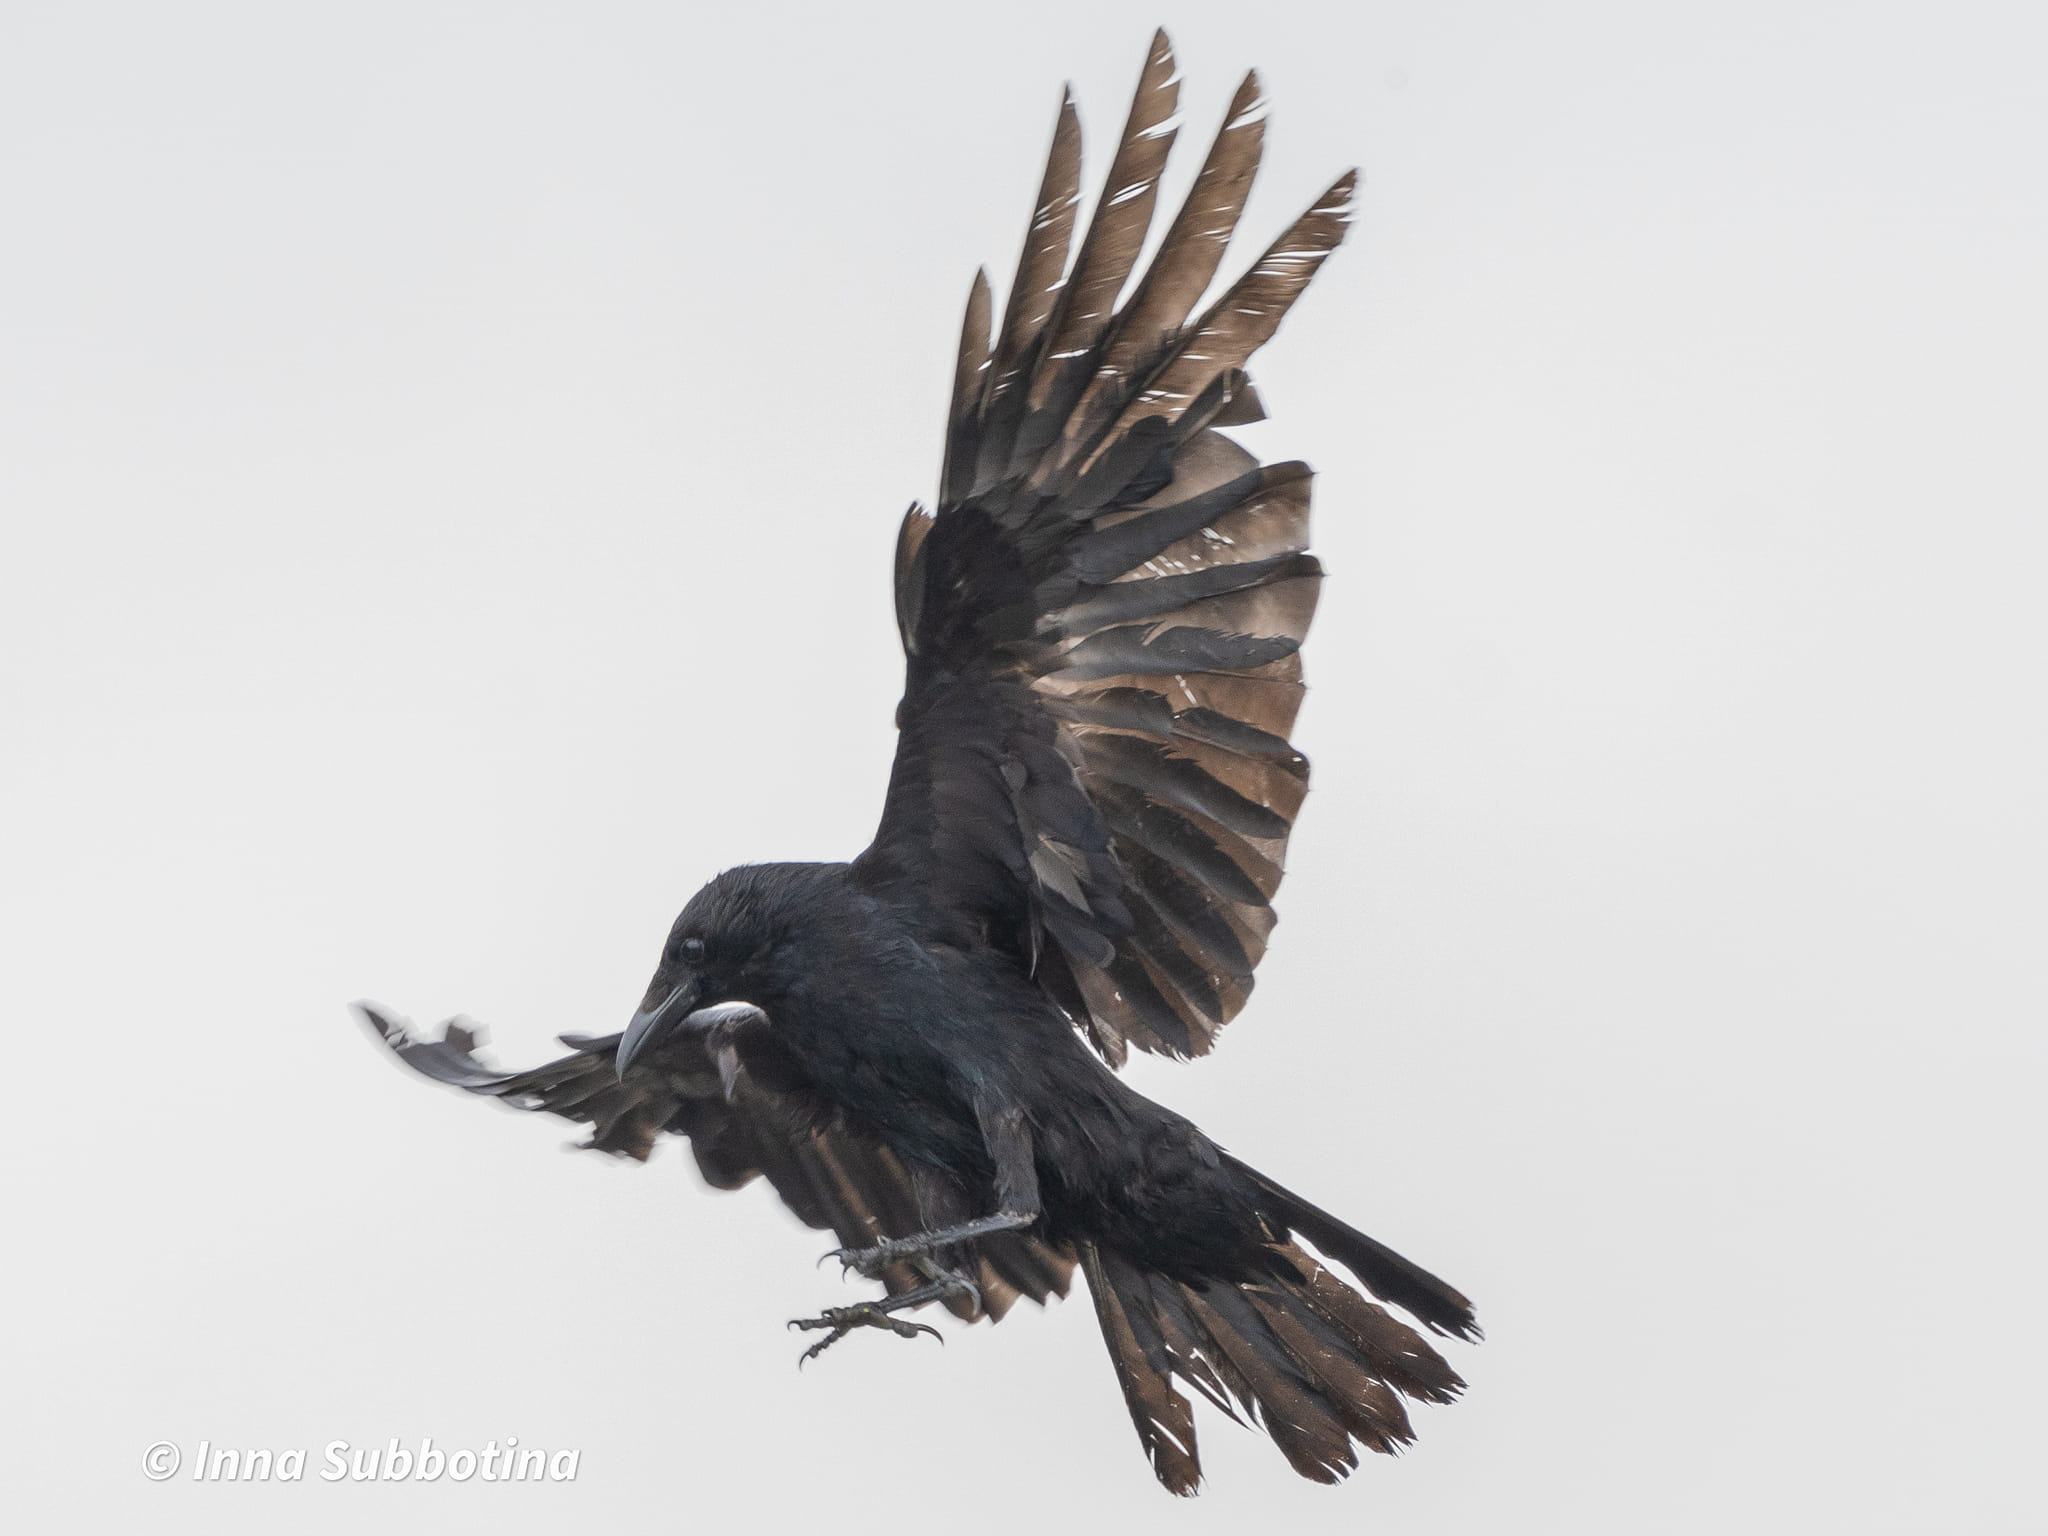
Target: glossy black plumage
[1083,834]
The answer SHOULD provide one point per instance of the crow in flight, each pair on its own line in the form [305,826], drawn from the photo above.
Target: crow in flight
[1084,828]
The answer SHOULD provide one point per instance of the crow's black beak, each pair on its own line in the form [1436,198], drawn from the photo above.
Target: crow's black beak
[650,1025]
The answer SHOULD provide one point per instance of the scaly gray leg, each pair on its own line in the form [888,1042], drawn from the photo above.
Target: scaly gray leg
[870,1261]
[1016,1181]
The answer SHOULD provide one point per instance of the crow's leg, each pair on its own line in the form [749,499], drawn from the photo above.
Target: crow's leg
[875,1314]
[871,1261]
[1009,1144]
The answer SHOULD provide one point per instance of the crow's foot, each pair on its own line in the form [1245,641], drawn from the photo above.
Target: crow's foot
[866,1314]
[943,1285]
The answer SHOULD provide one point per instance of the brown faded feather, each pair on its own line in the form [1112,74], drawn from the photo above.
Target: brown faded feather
[1164,1419]
[1188,257]
[1116,233]
[1041,271]
[970,382]
[1246,317]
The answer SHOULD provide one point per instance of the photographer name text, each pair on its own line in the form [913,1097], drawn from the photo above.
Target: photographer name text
[340,1462]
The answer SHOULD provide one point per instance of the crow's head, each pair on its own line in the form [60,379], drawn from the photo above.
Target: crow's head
[718,951]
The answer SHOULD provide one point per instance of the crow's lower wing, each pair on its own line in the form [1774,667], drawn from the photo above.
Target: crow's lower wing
[827,1178]
[1101,620]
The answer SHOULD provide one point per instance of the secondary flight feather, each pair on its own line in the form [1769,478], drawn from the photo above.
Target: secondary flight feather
[1082,839]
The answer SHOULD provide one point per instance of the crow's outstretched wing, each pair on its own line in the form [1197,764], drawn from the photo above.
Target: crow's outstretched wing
[1101,620]
[827,1178]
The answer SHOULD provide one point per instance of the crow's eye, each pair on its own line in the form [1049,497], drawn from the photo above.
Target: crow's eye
[692,949]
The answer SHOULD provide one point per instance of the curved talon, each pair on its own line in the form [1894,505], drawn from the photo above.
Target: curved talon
[868,1261]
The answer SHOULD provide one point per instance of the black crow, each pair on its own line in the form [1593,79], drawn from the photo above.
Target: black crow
[1083,834]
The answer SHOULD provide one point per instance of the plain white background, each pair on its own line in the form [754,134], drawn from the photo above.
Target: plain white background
[450,456]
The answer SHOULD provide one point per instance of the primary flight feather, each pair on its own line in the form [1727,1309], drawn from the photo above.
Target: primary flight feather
[1083,834]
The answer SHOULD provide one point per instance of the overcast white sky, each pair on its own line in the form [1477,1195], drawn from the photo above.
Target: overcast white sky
[450,456]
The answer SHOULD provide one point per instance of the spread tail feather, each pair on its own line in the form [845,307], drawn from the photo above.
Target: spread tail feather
[1294,1349]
